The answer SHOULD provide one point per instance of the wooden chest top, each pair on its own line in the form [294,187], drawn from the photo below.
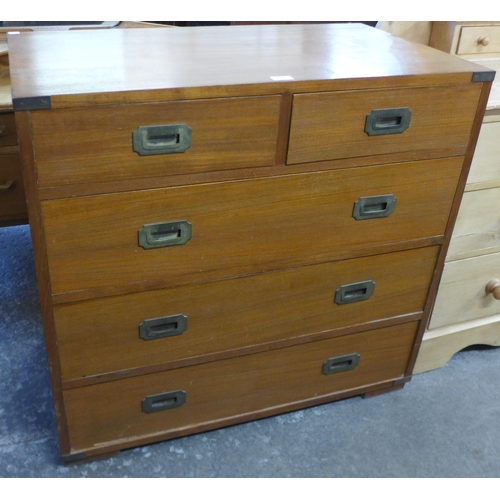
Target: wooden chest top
[78,68]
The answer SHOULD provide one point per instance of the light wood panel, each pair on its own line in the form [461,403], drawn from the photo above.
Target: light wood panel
[477,229]
[332,125]
[109,413]
[101,336]
[441,344]
[96,144]
[486,163]
[472,40]
[462,296]
[241,227]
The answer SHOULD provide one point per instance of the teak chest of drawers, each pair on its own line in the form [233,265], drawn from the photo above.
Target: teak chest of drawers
[234,222]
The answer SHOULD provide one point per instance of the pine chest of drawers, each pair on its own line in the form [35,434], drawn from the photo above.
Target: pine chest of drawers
[234,222]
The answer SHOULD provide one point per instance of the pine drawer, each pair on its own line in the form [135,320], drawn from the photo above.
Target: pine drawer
[479,40]
[462,294]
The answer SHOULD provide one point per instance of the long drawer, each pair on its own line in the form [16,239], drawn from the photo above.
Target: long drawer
[462,293]
[334,125]
[145,329]
[242,227]
[182,400]
[108,143]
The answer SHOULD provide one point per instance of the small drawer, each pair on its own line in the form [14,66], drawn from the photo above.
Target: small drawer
[8,133]
[150,140]
[336,125]
[182,401]
[129,331]
[462,294]
[12,196]
[180,235]
[486,161]
[476,228]
[479,40]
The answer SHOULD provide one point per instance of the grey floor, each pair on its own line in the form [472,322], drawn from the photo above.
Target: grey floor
[444,423]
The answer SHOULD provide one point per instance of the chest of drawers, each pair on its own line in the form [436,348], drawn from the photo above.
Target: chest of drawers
[234,222]
[467,312]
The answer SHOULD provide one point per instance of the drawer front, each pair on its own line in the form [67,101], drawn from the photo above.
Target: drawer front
[241,227]
[8,133]
[103,336]
[486,162]
[462,295]
[96,144]
[476,228]
[479,40]
[239,387]
[12,196]
[331,125]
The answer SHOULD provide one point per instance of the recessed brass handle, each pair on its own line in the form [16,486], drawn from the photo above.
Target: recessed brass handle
[165,234]
[341,364]
[165,401]
[388,121]
[493,287]
[161,139]
[6,186]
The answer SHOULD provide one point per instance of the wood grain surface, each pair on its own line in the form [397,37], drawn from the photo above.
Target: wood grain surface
[96,144]
[101,336]
[242,227]
[142,65]
[462,295]
[332,125]
[110,413]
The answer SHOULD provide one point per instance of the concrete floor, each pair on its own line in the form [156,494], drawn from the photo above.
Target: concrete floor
[443,424]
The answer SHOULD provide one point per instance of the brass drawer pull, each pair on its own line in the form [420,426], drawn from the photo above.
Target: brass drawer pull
[167,326]
[355,292]
[165,401]
[165,234]
[6,186]
[340,364]
[161,139]
[373,207]
[387,121]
